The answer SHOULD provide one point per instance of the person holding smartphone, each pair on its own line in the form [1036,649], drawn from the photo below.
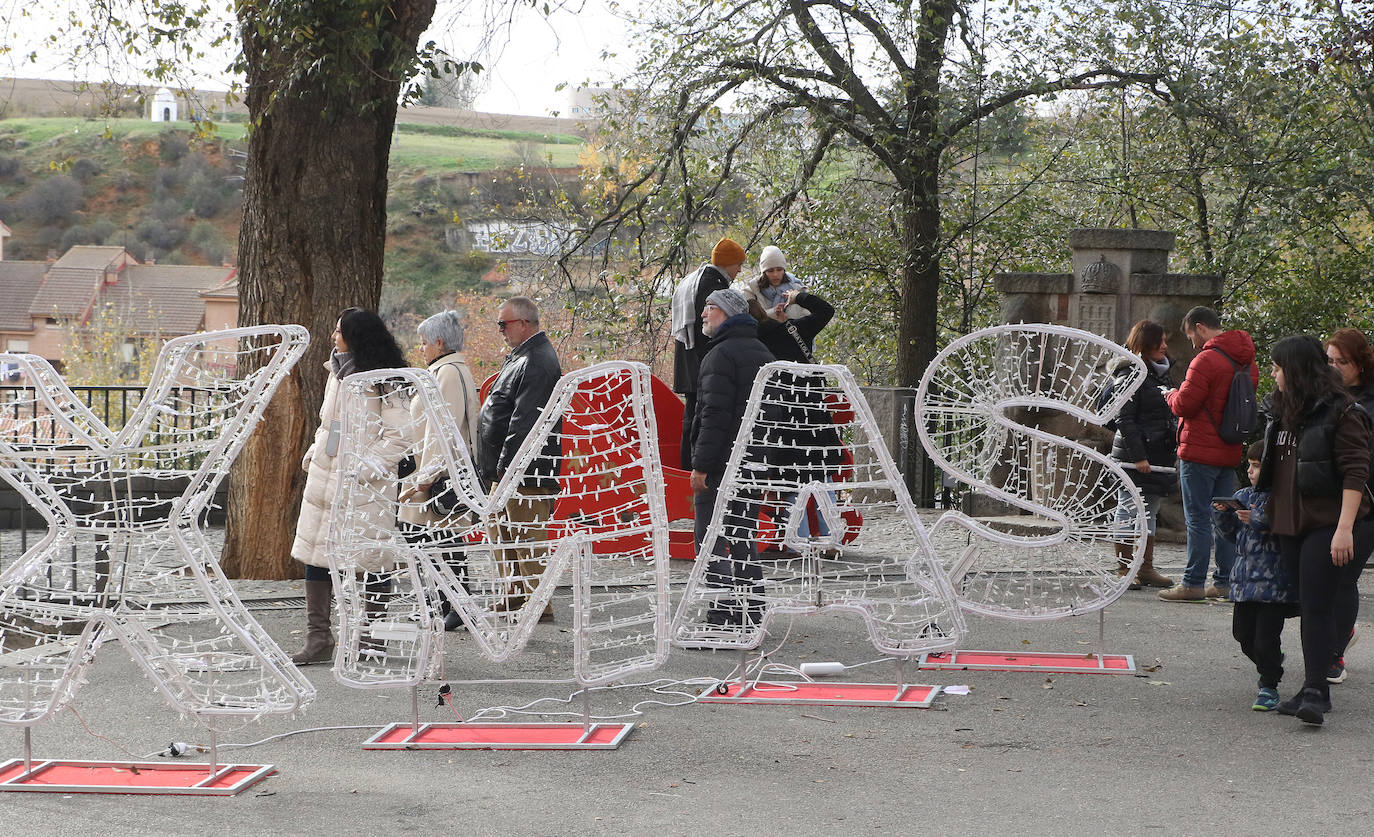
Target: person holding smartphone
[1260,585]
[1147,439]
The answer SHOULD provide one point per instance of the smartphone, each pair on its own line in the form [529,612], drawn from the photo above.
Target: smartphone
[1229,502]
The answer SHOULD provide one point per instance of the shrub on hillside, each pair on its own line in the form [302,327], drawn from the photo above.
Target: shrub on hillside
[85,168]
[165,180]
[205,196]
[205,238]
[48,238]
[52,200]
[172,146]
[169,209]
[103,229]
[9,167]
[160,235]
[94,233]
[78,234]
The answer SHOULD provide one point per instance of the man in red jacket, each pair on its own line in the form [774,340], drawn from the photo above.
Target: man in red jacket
[1207,465]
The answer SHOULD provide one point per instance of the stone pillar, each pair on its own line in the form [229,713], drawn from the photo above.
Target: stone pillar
[1120,276]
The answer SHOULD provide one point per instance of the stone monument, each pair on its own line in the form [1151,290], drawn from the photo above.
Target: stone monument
[1119,276]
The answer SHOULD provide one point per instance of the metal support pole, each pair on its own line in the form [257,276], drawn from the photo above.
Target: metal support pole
[214,734]
[743,667]
[415,707]
[1102,632]
[586,708]
[28,750]
[901,673]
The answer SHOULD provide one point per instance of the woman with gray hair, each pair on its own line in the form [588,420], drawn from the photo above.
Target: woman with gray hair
[441,343]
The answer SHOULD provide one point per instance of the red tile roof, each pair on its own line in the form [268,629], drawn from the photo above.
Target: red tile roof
[163,299]
[19,282]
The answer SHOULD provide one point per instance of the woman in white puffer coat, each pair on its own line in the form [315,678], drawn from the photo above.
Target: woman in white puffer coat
[362,343]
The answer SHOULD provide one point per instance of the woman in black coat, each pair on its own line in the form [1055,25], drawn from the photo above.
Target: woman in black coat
[1147,437]
[1317,466]
[804,447]
[795,338]
[1348,352]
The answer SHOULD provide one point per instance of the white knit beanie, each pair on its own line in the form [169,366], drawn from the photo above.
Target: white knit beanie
[772,257]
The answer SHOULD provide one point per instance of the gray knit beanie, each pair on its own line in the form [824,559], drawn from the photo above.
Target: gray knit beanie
[729,301]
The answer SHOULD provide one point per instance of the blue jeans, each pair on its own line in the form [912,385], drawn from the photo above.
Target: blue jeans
[1200,483]
[804,527]
[1123,511]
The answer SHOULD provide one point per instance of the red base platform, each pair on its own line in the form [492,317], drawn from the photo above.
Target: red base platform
[825,694]
[483,736]
[1029,661]
[156,777]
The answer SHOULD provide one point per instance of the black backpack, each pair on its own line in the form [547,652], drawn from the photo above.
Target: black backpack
[1241,411]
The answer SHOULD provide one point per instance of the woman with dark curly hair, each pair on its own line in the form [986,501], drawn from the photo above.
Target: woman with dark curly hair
[362,343]
[1349,354]
[1316,464]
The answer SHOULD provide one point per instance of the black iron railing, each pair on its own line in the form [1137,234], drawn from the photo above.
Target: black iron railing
[114,406]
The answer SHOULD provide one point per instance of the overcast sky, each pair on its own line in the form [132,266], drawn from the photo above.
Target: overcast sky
[529,59]
[541,53]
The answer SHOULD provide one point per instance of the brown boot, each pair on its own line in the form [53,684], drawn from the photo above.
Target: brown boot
[319,639]
[376,594]
[1123,565]
[1148,575]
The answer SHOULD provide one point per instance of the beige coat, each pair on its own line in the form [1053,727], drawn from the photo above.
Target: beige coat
[750,289]
[459,392]
[391,413]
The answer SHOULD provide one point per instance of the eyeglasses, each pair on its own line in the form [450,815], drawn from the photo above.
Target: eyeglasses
[1338,361]
[501,324]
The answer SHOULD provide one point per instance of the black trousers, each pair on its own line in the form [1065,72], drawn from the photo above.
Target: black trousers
[689,411]
[1258,627]
[733,563]
[1325,591]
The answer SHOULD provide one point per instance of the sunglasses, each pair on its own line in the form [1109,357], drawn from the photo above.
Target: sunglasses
[501,324]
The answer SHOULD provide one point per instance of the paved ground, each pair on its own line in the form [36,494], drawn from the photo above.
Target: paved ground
[1175,750]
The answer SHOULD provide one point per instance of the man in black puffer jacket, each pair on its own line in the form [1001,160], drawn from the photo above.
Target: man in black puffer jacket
[727,377]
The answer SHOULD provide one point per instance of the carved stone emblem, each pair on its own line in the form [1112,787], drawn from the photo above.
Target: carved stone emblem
[1101,277]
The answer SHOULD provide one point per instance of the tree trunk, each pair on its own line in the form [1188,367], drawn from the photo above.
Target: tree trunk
[311,244]
[918,326]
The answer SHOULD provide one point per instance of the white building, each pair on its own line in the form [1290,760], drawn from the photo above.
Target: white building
[164,106]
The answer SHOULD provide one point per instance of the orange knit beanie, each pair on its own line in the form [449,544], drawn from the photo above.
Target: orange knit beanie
[727,252]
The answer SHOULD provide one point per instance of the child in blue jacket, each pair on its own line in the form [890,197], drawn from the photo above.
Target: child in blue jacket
[1260,587]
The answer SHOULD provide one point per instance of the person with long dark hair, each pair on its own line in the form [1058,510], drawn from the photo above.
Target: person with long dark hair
[1348,352]
[1147,439]
[362,343]
[1316,466]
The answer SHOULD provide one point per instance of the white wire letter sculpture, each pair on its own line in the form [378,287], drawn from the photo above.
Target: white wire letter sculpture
[971,409]
[496,556]
[809,461]
[124,556]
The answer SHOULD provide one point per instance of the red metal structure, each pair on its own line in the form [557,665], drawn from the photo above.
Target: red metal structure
[604,498]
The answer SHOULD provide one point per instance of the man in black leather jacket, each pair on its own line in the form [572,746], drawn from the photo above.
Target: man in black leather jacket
[510,412]
[727,377]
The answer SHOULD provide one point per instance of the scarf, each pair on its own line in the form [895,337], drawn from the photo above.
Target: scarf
[342,363]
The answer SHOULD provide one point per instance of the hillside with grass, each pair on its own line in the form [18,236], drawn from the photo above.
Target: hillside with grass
[171,193]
